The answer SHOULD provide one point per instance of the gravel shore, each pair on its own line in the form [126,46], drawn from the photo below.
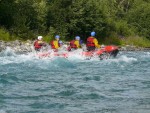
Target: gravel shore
[27,46]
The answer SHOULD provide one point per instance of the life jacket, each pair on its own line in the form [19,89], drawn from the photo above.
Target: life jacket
[37,45]
[90,42]
[53,45]
[72,44]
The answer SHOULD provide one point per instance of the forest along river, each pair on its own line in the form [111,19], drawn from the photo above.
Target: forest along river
[74,85]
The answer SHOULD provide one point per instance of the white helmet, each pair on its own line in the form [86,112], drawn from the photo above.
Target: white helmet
[40,37]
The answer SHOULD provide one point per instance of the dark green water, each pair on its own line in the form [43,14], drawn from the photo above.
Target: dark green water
[74,85]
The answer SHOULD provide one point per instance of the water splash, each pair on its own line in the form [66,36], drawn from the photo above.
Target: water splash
[2,111]
[8,56]
[7,52]
[124,58]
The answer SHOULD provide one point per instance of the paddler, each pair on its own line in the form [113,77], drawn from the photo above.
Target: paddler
[92,42]
[74,44]
[55,45]
[38,44]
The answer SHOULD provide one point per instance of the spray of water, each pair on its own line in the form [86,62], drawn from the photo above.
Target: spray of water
[8,56]
[2,111]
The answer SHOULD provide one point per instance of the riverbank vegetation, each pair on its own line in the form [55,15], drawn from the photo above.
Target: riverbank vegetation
[115,21]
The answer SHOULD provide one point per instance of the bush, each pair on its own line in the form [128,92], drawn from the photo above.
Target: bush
[136,41]
[112,41]
[6,36]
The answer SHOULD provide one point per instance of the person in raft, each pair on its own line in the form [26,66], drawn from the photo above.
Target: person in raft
[92,42]
[74,44]
[61,43]
[55,45]
[38,44]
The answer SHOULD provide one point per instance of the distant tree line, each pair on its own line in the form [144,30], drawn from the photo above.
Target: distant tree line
[68,18]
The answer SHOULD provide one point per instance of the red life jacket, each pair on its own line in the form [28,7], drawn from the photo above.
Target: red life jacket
[72,44]
[37,45]
[52,44]
[90,42]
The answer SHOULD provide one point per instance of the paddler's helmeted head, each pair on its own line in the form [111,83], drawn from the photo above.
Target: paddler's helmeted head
[57,37]
[77,38]
[60,43]
[40,37]
[93,33]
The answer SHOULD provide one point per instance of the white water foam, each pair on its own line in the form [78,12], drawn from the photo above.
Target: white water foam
[120,61]
[30,59]
[146,54]
[8,56]
[126,59]
[7,52]
[2,111]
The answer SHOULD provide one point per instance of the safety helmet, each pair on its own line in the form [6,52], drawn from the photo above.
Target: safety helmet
[93,33]
[40,37]
[60,42]
[57,37]
[77,38]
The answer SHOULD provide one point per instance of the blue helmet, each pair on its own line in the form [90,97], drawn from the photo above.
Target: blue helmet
[60,42]
[57,37]
[77,38]
[93,33]
[81,41]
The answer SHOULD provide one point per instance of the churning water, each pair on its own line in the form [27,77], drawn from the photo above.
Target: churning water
[74,85]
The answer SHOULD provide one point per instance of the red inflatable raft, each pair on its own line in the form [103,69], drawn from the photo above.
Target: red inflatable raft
[103,53]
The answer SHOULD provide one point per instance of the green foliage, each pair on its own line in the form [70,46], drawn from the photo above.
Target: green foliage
[139,17]
[7,10]
[50,36]
[112,41]
[134,40]
[6,36]
[26,18]
[137,41]
[108,18]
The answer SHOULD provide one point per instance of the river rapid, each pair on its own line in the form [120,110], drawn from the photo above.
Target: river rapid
[74,85]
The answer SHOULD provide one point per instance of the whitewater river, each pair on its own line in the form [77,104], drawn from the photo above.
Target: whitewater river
[74,85]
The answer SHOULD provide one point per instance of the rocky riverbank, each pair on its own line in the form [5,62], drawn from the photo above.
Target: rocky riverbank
[27,46]
[133,48]
[17,46]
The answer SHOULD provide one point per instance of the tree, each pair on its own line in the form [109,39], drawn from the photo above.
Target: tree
[7,11]
[139,18]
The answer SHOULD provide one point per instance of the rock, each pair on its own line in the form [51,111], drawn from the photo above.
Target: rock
[17,42]
[27,46]
[1,48]
[122,48]
[133,48]
[2,45]
[17,46]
